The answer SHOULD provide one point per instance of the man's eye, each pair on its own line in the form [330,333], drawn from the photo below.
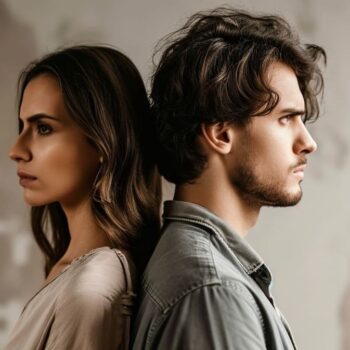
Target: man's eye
[44,129]
[285,119]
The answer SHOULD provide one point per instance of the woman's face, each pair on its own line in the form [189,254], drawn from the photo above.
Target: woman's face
[55,161]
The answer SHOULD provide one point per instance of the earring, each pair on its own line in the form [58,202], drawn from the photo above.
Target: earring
[101,159]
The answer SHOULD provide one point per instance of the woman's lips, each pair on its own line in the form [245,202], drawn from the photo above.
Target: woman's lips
[25,179]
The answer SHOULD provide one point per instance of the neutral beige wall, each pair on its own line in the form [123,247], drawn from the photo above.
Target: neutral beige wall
[307,247]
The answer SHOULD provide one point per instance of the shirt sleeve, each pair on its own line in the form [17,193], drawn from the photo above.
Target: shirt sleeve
[213,317]
[86,321]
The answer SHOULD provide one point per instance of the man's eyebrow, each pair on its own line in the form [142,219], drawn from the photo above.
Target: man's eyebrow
[292,111]
[34,118]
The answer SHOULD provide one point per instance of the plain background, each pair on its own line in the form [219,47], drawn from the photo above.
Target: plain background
[307,247]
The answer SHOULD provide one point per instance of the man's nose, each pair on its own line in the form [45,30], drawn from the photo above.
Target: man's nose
[305,142]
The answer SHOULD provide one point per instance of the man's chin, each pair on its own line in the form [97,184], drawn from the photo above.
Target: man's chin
[271,195]
[286,200]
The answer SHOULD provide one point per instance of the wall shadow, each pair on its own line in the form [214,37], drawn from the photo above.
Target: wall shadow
[19,259]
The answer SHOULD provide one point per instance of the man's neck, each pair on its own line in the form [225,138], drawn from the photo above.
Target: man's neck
[221,198]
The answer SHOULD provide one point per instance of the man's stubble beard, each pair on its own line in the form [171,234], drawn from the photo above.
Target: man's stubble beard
[261,190]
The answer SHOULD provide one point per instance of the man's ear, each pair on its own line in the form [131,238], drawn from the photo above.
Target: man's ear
[218,137]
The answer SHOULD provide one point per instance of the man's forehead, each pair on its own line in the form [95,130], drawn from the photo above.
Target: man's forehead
[284,82]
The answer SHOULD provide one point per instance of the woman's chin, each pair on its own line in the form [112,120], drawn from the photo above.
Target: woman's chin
[34,201]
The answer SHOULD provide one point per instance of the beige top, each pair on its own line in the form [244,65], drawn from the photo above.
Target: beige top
[87,306]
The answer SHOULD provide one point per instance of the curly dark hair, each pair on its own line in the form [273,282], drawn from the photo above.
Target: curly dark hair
[213,70]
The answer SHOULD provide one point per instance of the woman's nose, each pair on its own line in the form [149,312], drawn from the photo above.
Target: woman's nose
[20,151]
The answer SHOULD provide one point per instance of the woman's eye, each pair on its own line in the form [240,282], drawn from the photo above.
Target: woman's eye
[44,129]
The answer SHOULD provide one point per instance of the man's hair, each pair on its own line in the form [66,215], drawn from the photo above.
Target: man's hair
[213,70]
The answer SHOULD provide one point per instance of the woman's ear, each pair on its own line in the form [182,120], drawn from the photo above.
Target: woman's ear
[218,137]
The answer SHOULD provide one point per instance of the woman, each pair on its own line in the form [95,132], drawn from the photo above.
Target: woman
[85,160]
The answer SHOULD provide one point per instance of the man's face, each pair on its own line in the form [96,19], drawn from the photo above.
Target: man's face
[270,152]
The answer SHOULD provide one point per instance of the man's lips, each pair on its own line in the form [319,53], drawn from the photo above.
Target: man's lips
[299,171]
[299,168]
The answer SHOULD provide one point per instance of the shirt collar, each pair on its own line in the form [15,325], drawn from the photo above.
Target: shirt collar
[179,210]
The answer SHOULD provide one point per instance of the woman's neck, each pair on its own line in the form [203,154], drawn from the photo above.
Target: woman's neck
[85,233]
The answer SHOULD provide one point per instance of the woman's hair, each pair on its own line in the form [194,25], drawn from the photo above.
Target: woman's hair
[105,95]
[213,70]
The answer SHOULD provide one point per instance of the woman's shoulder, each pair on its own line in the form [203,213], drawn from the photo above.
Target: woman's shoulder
[103,273]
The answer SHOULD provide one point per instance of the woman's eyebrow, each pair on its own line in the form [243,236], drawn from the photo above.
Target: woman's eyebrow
[34,118]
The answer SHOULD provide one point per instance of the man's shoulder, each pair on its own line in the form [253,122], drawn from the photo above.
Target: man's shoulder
[188,257]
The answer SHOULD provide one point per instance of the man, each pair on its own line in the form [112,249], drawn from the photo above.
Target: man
[231,96]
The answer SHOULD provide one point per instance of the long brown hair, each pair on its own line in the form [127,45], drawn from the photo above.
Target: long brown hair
[104,94]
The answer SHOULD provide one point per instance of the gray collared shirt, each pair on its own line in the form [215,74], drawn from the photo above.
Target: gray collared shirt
[206,288]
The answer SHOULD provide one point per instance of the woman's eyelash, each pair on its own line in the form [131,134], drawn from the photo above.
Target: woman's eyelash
[44,129]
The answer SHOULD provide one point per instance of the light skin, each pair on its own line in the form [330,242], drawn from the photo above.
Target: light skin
[260,164]
[56,163]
